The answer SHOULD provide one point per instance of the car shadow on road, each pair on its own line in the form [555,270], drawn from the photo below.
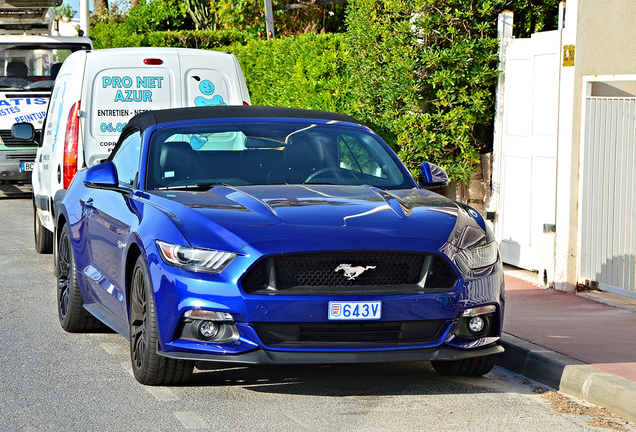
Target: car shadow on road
[368,379]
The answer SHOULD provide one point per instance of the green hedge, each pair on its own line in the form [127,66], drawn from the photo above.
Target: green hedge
[307,71]
[112,35]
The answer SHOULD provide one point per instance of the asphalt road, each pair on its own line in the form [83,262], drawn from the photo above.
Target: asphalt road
[55,381]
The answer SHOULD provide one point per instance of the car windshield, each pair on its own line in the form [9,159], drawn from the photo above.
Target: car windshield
[257,153]
[28,66]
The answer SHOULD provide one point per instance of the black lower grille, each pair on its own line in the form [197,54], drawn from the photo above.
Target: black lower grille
[275,334]
[22,157]
[9,141]
[365,272]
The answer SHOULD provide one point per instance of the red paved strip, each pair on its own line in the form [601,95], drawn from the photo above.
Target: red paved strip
[580,328]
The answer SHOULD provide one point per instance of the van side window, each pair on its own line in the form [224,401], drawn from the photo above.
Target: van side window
[51,130]
[126,159]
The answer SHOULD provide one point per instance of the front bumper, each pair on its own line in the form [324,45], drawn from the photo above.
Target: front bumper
[264,356]
[10,163]
[178,290]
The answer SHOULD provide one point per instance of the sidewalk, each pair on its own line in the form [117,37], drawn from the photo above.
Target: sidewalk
[570,342]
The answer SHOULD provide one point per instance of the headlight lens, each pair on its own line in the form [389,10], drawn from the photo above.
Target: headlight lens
[211,261]
[479,257]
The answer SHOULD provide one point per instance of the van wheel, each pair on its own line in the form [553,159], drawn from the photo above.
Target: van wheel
[43,237]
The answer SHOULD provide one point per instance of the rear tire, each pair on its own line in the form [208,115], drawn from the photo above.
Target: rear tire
[148,366]
[73,317]
[43,237]
[475,366]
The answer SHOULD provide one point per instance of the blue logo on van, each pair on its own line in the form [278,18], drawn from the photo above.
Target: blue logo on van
[207,88]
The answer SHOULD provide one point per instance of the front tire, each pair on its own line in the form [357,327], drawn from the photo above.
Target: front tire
[475,366]
[73,317]
[42,236]
[148,366]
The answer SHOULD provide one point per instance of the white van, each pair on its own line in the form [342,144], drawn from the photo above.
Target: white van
[97,92]
[28,64]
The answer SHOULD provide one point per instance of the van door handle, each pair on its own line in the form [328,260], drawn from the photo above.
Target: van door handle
[89,202]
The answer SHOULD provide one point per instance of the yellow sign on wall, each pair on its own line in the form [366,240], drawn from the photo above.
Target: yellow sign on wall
[568,55]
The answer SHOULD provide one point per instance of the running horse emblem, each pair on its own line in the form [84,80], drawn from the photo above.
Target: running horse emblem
[352,272]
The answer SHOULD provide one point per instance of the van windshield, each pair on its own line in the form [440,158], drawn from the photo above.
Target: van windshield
[29,66]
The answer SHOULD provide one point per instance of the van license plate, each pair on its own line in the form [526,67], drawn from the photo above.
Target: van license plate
[27,166]
[355,310]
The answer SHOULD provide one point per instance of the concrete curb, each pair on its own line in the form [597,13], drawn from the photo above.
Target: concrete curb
[570,376]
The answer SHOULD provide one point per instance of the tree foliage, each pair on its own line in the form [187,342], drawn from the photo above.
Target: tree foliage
[240,15]
[199,11]
[64,12]
[420,72]
[533,15]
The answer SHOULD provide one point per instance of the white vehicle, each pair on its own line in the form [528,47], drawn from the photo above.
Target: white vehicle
[97,92]
[29,60]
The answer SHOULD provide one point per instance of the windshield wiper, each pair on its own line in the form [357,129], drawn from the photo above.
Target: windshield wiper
[198,186]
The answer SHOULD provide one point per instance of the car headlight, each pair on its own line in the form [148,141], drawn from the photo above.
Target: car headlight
[206,260]
[479,257]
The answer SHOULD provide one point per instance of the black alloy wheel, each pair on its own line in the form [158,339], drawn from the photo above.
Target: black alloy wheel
[148,366]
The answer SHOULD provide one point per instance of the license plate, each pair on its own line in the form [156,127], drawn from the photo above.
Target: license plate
[355,310]
[27,166]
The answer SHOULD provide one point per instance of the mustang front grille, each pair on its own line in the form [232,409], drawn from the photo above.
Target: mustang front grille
[343,273]
[276,334]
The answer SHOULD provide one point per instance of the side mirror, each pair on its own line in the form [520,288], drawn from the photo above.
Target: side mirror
[23,131]
[103,176]
[432,176]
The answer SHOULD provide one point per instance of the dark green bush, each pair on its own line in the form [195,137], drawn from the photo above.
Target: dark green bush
[158,15]
[424,73]
[110,35]
[113,35]
[115,29]
[201,39]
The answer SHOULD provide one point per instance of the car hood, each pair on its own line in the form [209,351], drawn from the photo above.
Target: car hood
[230,218]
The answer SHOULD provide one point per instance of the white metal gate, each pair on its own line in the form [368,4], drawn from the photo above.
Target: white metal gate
[527,174]
[607,212]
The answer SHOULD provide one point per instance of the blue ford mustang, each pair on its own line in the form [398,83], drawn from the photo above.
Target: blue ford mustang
[271,235]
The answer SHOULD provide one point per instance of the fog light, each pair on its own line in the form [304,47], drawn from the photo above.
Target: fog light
[476,325]
[208,329]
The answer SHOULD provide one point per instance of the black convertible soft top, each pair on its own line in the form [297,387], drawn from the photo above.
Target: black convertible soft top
[150,118]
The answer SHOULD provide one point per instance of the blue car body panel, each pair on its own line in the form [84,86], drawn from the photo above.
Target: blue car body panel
[258,222]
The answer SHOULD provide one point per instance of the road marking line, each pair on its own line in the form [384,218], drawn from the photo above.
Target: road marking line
[162,394]
[128,367]
[191,420]
[113,348]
